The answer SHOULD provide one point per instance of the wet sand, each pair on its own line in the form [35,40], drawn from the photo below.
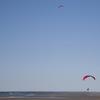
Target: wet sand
[58,98]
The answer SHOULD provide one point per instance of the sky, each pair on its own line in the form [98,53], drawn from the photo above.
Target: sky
[46,48]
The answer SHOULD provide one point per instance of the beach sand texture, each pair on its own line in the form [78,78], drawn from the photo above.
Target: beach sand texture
[63,98]
[58,96]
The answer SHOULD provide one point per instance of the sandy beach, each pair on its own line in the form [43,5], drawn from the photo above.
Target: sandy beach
[54,98]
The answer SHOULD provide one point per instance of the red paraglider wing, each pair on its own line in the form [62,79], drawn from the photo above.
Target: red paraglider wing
[85,77]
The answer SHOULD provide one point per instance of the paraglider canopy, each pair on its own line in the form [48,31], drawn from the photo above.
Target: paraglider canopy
[60,6]
[87,76]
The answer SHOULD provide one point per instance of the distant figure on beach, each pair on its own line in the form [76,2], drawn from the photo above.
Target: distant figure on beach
[87,89]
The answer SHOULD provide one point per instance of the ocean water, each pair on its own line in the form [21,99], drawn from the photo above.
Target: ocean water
[46,94]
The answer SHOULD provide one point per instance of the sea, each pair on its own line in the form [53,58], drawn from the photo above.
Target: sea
[46,94]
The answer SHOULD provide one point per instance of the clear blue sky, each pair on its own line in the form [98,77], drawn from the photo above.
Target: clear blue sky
[44,48]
